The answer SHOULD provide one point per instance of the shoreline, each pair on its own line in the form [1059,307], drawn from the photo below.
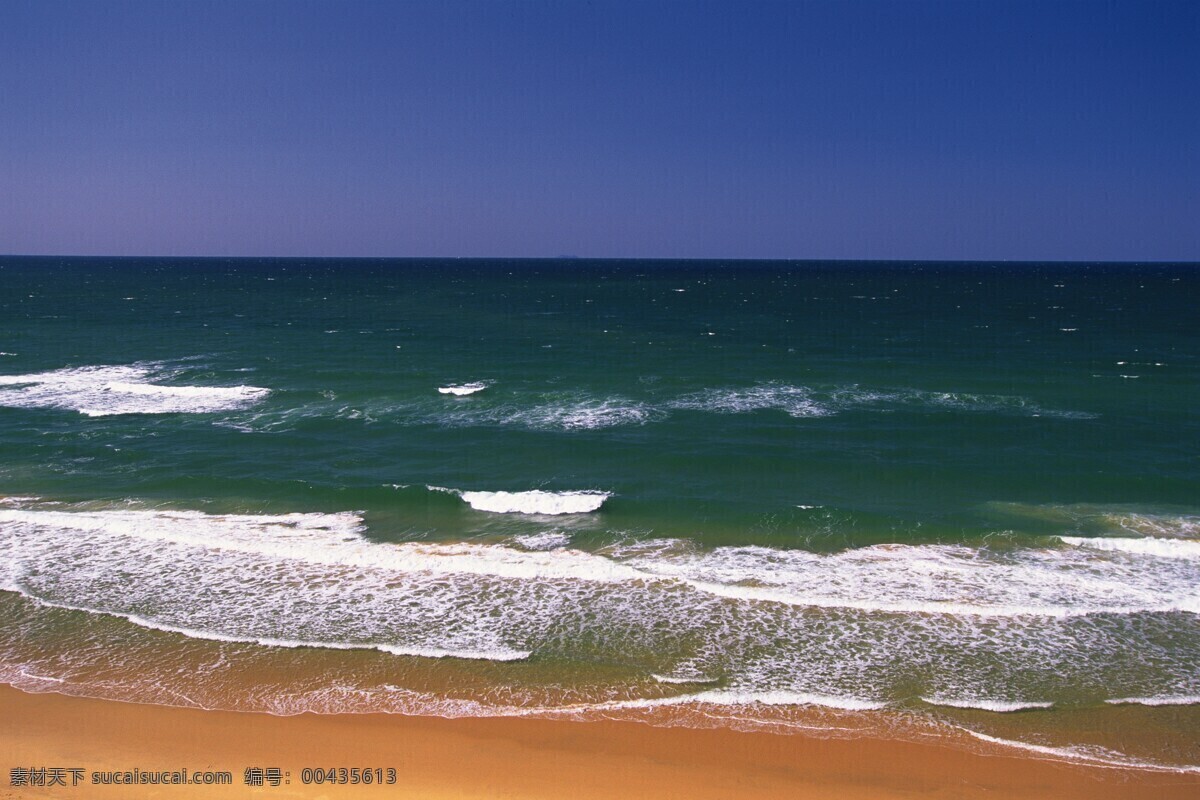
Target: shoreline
[517,758]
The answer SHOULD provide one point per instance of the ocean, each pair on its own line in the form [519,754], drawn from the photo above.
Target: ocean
[951,501]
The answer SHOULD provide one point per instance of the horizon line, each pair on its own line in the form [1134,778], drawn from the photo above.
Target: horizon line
[610,258]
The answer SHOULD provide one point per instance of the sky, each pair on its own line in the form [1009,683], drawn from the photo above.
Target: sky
[803,130]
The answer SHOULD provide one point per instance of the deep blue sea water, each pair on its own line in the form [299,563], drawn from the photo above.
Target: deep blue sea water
[929,498]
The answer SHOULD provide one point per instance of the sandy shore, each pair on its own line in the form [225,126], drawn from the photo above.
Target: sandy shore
[477,758]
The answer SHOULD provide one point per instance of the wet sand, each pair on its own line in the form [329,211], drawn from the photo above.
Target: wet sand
[514,758]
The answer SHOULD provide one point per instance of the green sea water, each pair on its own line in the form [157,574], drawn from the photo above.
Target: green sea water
[921,497]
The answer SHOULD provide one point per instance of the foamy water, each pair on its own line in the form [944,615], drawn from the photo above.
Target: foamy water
[582,411]
[461,390]
[536,502]
[846,628]
[100,391]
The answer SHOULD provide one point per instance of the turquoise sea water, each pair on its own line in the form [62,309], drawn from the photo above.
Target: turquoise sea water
[926,498]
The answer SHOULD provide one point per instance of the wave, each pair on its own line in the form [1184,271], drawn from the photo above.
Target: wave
[808,401]
[1111,521]
[536,502]
[578,414]
[494,654]
[577,411]
[560,411]
[461,390]
[971,402]
[739,697]
[931,579]
[683,679]
[1157,700]
[1163,548]
[1095,756]
[955,580]
[99,391]
[777,626]
[797,401]
[1167,526]
[999,706]
[547,540]
[303,580]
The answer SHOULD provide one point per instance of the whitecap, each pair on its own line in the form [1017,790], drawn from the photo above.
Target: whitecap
[536,502]
[100,391]
[461,390]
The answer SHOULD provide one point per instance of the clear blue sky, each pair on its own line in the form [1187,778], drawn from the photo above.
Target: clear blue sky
[976,130]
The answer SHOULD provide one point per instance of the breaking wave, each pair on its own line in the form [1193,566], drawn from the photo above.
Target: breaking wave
[856,630]
[536,502]
[101,391]
[999,706]
[464,389]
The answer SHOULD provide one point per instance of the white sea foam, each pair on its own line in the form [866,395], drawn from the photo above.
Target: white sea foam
[1163,548]
[1112,521]
[777,626]
[584,414]
[999,706]
[333,540]
[461,390]
[933,579]
[302,580]
[738,697]
[1157,700]
[797,401]
[682,679]
[954,580]
[1171,526]
[495,654]
[109,390]
[807,401]
[1096,756]
[579,410]
[536,502]
[567,411]
[735,697]
[547,540]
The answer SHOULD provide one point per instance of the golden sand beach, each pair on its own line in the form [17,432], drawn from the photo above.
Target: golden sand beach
[513,758]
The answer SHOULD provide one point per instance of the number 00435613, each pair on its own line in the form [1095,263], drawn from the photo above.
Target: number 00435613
[351,775]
